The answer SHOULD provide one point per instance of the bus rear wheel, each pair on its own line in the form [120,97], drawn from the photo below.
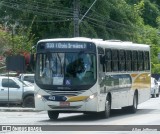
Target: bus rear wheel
[53,115]
[106,113]
[133,108]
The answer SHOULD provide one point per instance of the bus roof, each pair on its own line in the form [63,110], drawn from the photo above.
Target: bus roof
[68,39]
[113,44]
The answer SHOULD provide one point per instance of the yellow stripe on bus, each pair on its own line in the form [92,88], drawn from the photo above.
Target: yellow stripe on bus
[134,75]
[142,81]
[76,98]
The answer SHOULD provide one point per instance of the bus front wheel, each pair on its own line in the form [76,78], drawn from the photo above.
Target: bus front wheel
[53,115]
[106,113]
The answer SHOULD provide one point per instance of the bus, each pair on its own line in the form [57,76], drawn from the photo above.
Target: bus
[90,76]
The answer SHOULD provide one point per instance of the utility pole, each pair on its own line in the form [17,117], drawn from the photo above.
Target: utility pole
[76,18]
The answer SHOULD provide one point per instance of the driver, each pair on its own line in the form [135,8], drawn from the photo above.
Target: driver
[86,61]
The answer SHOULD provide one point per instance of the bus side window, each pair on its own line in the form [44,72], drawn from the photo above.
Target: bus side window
[101,59]
[108,60]
[140,61]
[122,62]
[128,60]
[134,60]
[102,63]
[146,61]
[114,60]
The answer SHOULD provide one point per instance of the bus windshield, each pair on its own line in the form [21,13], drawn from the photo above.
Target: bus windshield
[66,69]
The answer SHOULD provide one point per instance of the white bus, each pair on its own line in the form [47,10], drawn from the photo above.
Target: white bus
[90,75]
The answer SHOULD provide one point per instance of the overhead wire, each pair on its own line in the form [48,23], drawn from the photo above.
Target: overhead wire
[37,10]
[110,29]
[102,23]
[110,21]
[39,21]
[48,13]
[40,10]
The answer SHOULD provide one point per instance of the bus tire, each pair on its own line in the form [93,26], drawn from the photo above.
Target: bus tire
[53,115]
[106,113]
[157,95]
[133,108]
[154,95]
[28,101]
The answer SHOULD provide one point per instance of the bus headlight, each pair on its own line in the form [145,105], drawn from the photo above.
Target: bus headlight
[39,96]
[91,97]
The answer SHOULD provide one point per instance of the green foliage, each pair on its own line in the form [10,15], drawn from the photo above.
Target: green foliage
[15,44]
[150,13]
[155,68]
[129,20]
[5,41]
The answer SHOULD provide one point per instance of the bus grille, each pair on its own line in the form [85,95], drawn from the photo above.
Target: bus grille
[64,107]
[65,93]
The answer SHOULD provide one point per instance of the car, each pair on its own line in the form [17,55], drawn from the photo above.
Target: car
[158,81]
[27,77]
[28,83]
[154,88]
[15,91]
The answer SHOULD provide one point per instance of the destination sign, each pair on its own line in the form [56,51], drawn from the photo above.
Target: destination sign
[66,45]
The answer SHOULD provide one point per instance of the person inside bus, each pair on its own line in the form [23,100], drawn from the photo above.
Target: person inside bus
[47,73]
[57,63]
[85,70]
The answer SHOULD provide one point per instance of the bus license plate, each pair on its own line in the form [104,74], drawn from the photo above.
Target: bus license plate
[66,104]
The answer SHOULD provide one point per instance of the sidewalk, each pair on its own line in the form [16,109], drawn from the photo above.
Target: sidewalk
[17,109]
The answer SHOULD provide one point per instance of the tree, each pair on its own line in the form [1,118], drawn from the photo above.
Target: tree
[128,20]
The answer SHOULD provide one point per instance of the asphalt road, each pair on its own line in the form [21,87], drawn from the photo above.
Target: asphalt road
[148,113]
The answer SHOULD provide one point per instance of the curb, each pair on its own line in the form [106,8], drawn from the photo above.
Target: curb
[17,109]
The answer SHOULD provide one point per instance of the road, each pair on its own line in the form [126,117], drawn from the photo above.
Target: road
[148,113]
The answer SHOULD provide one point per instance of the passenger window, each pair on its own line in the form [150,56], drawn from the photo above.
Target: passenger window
[101,63]
[100,50]
[122,62]
[128,61]
[114,60]
[108,60]
[9,83]
[140,61]
[101,67]
[134,60]
[146,61]
[101,59]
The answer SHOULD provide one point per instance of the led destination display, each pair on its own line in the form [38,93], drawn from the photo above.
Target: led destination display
[65,45]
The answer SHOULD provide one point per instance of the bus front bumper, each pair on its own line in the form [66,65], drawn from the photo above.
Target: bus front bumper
[87,105]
